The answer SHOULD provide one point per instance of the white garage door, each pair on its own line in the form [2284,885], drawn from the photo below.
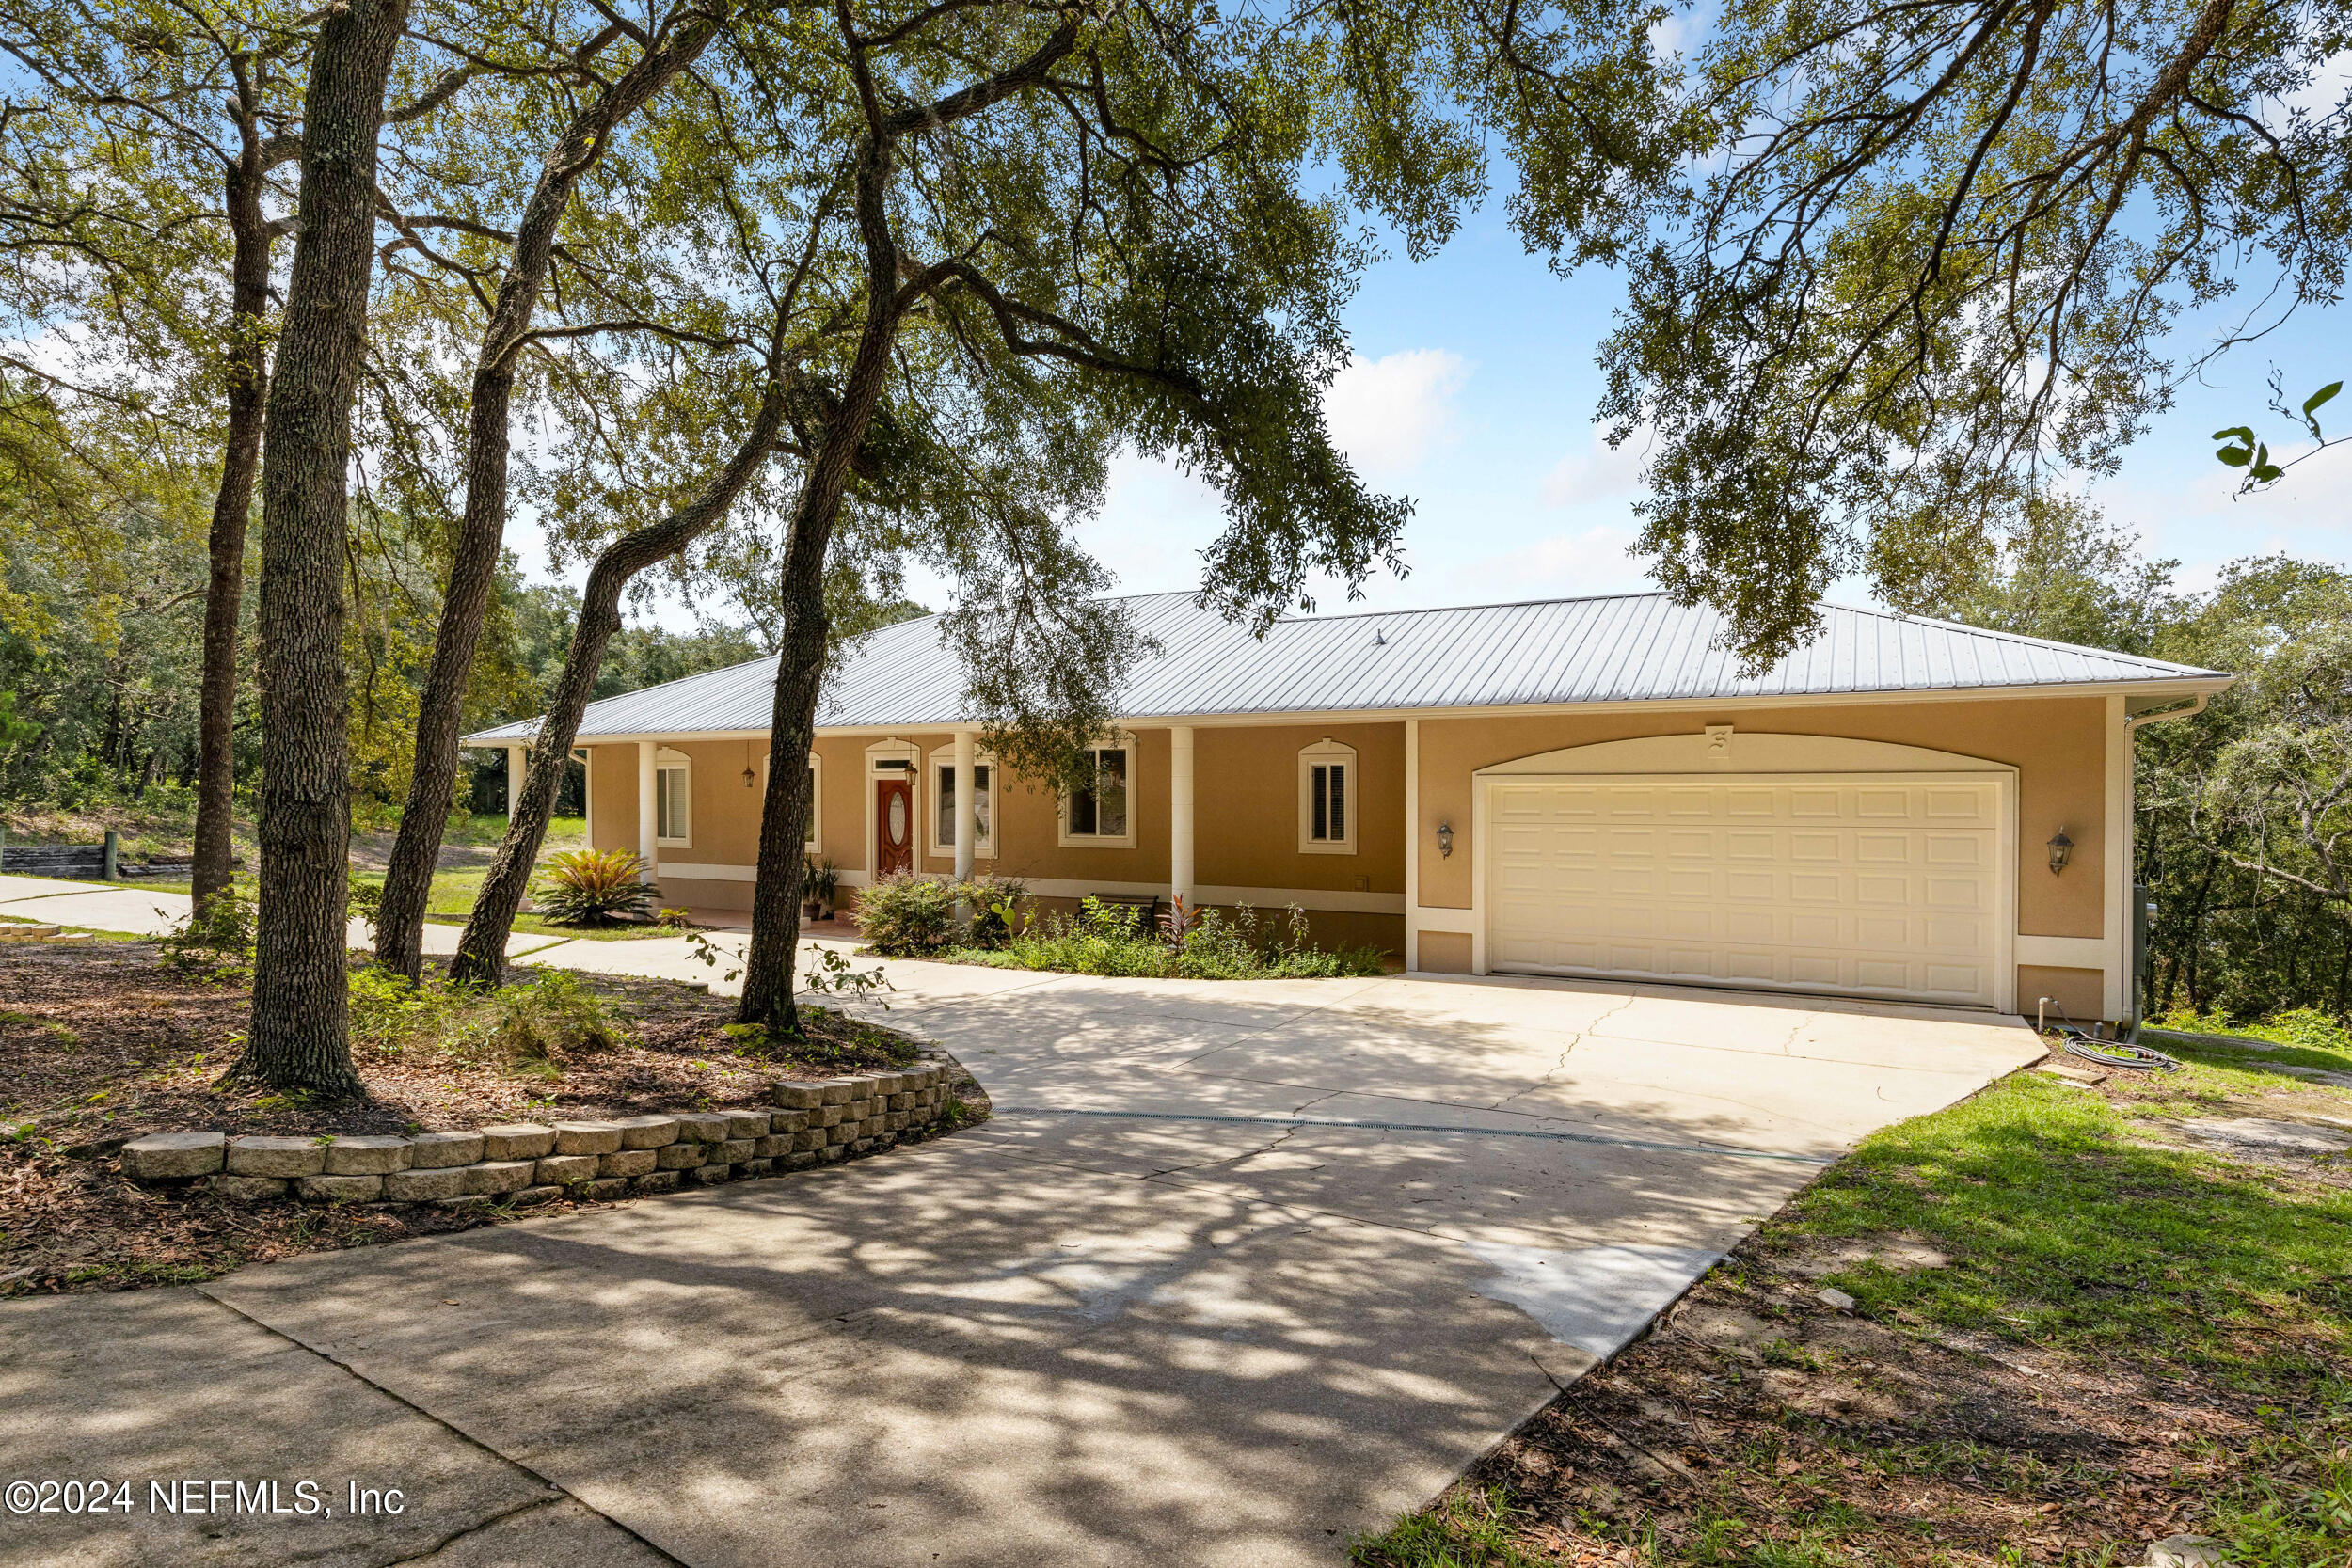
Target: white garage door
[1883,886]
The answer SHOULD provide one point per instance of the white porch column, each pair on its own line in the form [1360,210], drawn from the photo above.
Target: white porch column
[1180,883]
[1413,846]
[646,832]
[967,807]
[514,763]
[2115,902]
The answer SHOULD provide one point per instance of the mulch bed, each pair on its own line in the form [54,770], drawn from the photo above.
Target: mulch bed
[100,1045]
[1757,1416]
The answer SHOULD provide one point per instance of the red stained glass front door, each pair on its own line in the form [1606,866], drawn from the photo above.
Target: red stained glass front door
[893,826]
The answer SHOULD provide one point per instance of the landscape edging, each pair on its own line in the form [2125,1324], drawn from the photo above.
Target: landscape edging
[810,1122]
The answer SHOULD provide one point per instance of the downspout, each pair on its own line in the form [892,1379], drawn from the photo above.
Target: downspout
[2132,723]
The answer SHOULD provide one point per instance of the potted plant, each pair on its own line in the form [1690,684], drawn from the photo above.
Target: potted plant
[824,881]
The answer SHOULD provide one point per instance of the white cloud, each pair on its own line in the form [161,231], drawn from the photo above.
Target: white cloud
[1390,414]
[2201,520]
[1597,473]
[1564,565]
[2327,88]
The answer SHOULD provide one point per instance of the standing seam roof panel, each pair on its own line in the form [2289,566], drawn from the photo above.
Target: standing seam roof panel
[1630,647]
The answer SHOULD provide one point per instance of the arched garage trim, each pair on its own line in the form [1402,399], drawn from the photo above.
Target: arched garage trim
[1719,754]
[1720,750]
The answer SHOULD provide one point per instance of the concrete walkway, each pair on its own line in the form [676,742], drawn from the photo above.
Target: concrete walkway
[1237,1271]
[131,908]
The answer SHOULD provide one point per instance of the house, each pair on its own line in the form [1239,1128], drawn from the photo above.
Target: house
[1905,808]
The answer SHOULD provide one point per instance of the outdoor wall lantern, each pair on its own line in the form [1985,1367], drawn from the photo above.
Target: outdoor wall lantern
[751,778]
[1445,839]
[2062,850]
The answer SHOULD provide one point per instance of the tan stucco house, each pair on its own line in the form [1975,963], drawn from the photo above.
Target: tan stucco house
[1573,786]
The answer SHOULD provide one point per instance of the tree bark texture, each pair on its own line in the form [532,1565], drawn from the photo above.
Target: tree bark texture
[248,367]
[768,967]
[482,951]
[298,1038]
[474,564]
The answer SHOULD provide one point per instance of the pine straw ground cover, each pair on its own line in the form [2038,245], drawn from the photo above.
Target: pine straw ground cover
[100,1045]
[2078,1330]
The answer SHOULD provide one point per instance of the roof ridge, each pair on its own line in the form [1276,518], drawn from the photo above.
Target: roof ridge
[1496,604]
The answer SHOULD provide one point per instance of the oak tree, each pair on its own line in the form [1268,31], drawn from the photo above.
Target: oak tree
[1922,263]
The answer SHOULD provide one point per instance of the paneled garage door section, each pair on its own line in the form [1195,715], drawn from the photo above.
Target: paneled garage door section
[1886,888]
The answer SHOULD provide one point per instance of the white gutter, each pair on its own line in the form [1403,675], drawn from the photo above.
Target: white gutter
[2165,715]
[1307,717]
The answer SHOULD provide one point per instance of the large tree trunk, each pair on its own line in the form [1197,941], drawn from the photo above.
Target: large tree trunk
[768,967]
[474,564]
[482,951]
[297,1038]
[224,597]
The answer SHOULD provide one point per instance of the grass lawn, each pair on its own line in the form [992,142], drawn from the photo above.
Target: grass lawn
[454,893]
[2079,1329]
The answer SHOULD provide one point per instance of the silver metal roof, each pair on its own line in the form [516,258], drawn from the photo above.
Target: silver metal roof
[1627,647]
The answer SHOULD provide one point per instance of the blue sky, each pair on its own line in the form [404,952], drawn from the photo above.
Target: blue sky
[1473,391]
[1474,388]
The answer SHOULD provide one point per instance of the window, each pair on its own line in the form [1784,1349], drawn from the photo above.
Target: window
[673,799]
[944,806]
[815,842]
[815,804]
[1104,812]
[1327,799]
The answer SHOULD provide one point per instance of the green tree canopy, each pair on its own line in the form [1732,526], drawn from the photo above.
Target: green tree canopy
[1924,257]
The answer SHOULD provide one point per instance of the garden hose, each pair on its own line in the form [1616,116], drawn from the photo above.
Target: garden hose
[2127,1055]
[2117,1054]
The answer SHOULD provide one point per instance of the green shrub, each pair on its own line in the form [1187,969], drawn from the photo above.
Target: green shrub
[594,887]
[1113,940]
[996,912]
[536,1024]
[529,1027]
[392,1013]
[1102,939]
[908,916]
[221,937]
[2311,1028]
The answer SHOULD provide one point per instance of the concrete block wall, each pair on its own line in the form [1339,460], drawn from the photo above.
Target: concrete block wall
[809,1122]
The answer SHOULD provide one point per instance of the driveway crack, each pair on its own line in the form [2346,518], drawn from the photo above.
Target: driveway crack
[1230,1160]
[555,1491]
[476,1528]
[1566,1052]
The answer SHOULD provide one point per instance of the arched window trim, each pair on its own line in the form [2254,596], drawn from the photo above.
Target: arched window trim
[1337,788]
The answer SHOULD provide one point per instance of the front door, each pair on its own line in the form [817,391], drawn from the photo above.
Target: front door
[893,826]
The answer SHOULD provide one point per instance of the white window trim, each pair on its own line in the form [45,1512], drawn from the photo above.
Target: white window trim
[946,757]
[669,761]
[815,838]
[815,842]
[881,750]
[1328,753]
[587,796]
[1134,802]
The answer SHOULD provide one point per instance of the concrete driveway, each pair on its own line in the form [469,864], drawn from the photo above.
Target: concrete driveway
[1237,1271]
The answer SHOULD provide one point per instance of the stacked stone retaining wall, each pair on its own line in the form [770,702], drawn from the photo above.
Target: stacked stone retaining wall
[810,1122]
